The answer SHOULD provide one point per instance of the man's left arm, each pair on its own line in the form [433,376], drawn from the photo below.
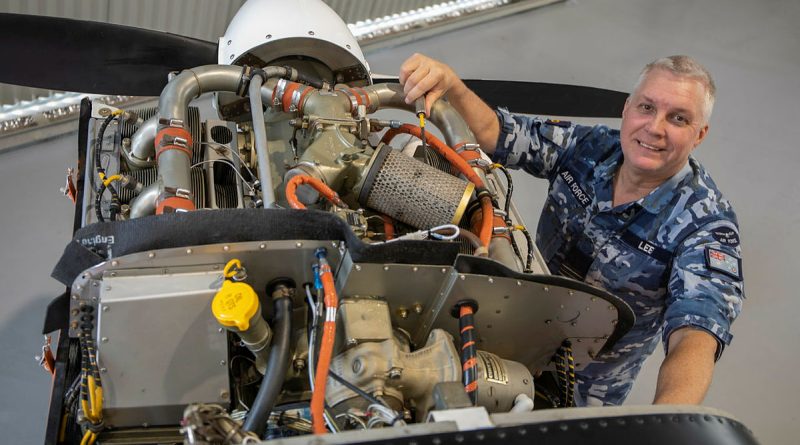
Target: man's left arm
[685,374]
[705,297]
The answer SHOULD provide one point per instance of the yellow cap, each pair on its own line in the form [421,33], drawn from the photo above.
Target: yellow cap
[235,304]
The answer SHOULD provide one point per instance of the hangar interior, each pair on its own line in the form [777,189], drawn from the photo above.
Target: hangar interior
[750,47]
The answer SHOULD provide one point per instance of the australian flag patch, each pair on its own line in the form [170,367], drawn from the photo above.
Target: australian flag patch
[724,262]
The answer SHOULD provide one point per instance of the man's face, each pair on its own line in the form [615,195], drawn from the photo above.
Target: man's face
[662,123]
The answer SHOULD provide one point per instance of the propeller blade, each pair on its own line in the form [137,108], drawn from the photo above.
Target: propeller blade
[550,99]
[94,57]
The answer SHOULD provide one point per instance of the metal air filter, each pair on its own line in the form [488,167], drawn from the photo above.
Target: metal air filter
[411,191]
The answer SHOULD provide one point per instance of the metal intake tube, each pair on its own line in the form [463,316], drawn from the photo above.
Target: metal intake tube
[173,142]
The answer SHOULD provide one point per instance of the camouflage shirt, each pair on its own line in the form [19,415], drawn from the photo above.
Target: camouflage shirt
[673,255]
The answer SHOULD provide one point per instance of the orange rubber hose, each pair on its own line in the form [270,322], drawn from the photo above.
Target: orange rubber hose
[326,349]
[324,190]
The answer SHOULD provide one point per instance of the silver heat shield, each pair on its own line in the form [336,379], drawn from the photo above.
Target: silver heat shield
[413,192]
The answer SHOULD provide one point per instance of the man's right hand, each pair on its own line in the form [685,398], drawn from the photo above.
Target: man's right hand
[422,76]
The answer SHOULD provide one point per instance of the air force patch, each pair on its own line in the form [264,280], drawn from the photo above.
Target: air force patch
[724,262]
[726,236]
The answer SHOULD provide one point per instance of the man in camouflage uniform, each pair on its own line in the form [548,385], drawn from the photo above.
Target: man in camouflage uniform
[629,211]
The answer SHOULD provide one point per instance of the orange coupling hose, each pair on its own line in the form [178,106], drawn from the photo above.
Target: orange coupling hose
[463,167]
[326,346]
[388,227]
[324,190]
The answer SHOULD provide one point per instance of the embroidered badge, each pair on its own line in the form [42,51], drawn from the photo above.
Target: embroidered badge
[726,236]
[724,262]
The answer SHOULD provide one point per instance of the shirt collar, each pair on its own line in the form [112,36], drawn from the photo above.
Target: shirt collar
[658,198]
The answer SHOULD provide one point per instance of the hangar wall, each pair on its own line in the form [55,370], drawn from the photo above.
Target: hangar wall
[751,47]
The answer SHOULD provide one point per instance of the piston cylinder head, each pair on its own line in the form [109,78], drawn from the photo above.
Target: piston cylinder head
[411,191]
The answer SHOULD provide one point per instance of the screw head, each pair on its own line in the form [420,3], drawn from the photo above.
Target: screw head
[402,313]
[358,268]
[151,255]
[418,308]
[115,263]
[104,340]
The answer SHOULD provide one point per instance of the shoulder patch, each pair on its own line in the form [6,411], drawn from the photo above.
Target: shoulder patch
[726,236]
[558,123]
[724,262]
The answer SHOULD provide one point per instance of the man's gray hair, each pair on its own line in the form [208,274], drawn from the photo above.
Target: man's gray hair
[685,66]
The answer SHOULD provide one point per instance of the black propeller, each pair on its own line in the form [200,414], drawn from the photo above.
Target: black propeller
[549,99]
[94,57]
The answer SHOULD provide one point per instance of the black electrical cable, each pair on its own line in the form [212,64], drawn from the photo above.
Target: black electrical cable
[509,188]
[529,241]
[98,148]
[277,364]
[370,398]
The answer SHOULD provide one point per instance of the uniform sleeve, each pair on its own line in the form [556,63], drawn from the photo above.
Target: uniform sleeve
[706,287]
[534,144]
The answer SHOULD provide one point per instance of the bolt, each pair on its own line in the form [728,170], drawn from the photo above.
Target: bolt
[151,255]
[444,270]
[385,267]
[222,362]
[299,245]
[395,373]
[415,268]
[402,313]
[94,298]
[188,251]
[262,246]
[351,342]
[491,280]
[519,283]
[358,268]
[357,367]
[226,248]
[463,277]
[104,340]
[104,370]
[546,289]
[571,293]
[548,321]
[417,308]
[269,36]
[299,364]
[105,308]
[311,33]
[524,381]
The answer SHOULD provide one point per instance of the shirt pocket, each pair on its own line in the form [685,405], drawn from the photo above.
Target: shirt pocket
[638,278]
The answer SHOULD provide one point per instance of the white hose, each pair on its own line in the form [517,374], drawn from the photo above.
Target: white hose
[522,404]
[260,129]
